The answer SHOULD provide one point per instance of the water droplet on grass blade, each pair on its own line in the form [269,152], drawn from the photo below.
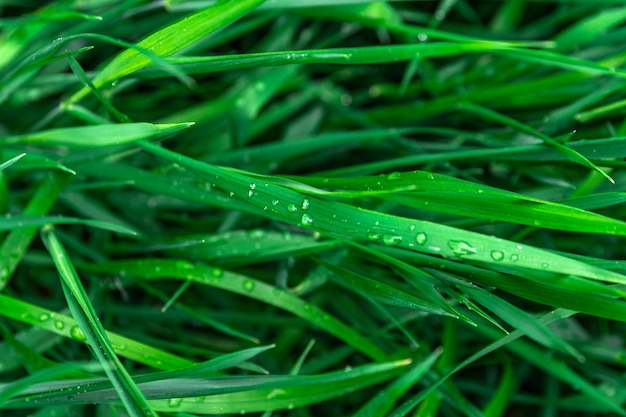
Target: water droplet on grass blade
[306,220]
[59,325]
[394,176]
[174,402]
[248,285]
[421,238]
[77,333]
[461,247]
[275,203]
[292,208]
[497,255]
[392,240]
[305,204]
[373,236]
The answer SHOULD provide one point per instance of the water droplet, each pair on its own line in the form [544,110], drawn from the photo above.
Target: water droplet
[421,238]
[308,307]
[306,220]
[174,402]
[292,208]
[392,240]
[480,191]
[250,193]
[430,176]
[461,247]
[217,272]
[59,325]
[497,255]
[305,204]
[77,333]
[373,236]
[252,186]
[248,285]
[275,202]
[44,317]
[394,176]
[412,228]
[544,265]
[422,37]
[514,258]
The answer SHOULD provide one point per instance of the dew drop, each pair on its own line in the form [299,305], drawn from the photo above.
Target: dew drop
[497,255]
[44,317]
[77,333]
[544,265]
[374,236]
[305,204]
[306,220]
[412,228]
[422,37]
[59,325]
[461,247]
[392,240]
[421,238]
[275,203]
[217,273]
[248,285]
[250,193]
[174,402]
[514,258]
[292,208]
[394,176]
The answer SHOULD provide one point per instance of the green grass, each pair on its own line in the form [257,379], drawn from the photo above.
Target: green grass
[312,208]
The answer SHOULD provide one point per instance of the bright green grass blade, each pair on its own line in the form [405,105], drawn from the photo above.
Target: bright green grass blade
[10,223]
[296,392]
[339,56]
[85,315]
[101,390]
[219,395]
[66,326]
[17,242]
[96,136]
[430,191]
[150,269]
[171,39]
[338,219]
[11,161]
[384,400]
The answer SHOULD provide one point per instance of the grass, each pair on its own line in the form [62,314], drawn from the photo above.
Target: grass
[312,208]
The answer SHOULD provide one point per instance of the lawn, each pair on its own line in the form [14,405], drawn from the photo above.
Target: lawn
[312,208]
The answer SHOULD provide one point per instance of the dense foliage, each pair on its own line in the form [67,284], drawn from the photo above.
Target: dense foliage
[312,208]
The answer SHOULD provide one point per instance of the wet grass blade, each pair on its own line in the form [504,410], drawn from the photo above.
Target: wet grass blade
[89,323]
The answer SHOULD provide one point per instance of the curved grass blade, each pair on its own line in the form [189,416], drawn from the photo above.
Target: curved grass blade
[223,395]
[66,326]
[338,219]
[297,391]
[442,193]
[149,269]
[10,223]
[96,136]
[171,39]
[85,315]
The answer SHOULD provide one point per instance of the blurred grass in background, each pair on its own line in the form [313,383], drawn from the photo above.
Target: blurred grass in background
[312,208]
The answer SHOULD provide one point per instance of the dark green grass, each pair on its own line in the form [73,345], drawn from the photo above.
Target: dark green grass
[312,208]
